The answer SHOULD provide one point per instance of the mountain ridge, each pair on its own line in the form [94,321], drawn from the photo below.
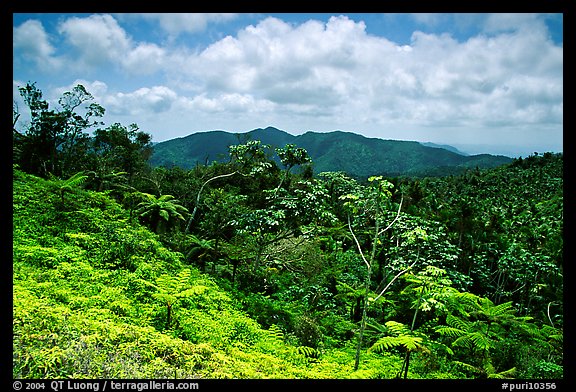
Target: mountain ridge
[355,154]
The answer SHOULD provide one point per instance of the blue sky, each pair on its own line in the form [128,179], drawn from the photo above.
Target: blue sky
[481,82]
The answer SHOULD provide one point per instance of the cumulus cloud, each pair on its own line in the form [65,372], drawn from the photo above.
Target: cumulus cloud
[97,88]
[97,39]
[229,103]
[178,23]
[337,67]
[153,100]
[31,42]
[310,62]
[145,59]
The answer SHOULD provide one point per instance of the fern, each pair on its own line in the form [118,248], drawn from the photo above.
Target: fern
[464,341]
[172,288]
[397,328]
[404,338]
[275,332]
[385,343]
[463,303]
[481,342]
[458,323]
[306,351]
[468,367]
[74,181]
[449,331]
[412,343]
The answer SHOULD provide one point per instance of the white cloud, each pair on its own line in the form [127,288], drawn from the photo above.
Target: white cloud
[244,103]
[145,59]
[144,101]
[98,39]
[503,22]
[337,68]
[31,41]
[175,24]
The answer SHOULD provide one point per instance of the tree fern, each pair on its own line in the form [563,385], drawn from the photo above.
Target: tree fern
[481,341]
[397,328]
[510,373]
[73,182]
[449,331]
[458,323]
[412,341]
[170,289]
[463,303]
[385,343]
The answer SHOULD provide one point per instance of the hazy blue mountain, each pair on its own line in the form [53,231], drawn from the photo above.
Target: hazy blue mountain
[354,154]
[444,146]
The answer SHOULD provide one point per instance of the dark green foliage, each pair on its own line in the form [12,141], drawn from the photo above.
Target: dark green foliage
[332,151]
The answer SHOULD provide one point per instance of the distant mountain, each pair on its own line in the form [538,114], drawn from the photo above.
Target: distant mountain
[444,146]
[354,154]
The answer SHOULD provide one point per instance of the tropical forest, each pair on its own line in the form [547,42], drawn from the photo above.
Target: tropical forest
[258,266]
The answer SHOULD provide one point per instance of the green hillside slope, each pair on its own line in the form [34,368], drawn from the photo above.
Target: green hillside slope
[354,154]
[92,290]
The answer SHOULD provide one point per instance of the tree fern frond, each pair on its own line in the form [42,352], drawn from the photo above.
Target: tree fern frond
[412,343]
[468,367]
[276,332]
[463,341]
[481,342]
[183,276]
[397,328]
[386,343]
[164,214]
[306,351]
[375,327]
[194,290]
[449,331]
[76,180]
[457,322]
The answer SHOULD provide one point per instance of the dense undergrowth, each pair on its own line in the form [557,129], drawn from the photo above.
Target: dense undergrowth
[90,301]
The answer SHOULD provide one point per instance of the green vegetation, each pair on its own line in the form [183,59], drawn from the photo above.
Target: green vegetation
[257,267]
[358,156]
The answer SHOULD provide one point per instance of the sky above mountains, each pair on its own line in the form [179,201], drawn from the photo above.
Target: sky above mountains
[482,82]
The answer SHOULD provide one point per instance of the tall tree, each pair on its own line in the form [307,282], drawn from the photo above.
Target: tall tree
[124,149]
[55,141]
[370,208]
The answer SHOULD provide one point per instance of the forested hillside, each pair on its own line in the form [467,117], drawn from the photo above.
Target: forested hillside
[259,267]
[358,156]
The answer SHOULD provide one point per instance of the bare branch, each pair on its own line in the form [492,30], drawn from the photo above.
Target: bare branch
[396,277]
[200,193]
[395,219]
[548,314]
[357,243]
